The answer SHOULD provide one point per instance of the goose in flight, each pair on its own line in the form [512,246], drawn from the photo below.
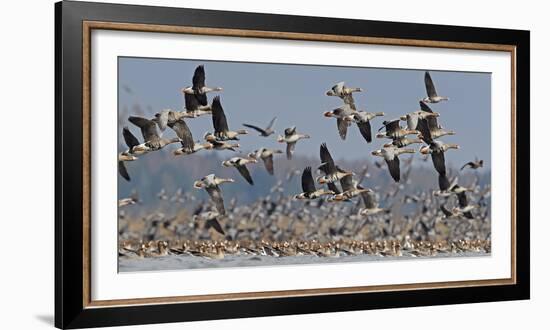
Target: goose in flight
[371,206]
[265,132]
[127,156]
[344,117]
[391,156]
[221,129]
[437,150]
[220,145]
[431,125]
[152,139]
[332,173]
[464,208]
[188,145]
[290,138]
[308,187]
[211,184]
[394,130]
[477,163]
[430,90]
[193,108]
[350,189]
[266,155]
[210,219]
[403,142]
[345,93]
[362,119]
[413,117]
[240,164]
[199,88]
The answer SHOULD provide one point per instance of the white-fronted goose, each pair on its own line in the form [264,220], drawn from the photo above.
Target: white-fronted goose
[308,187]
[345,93]
[430,90]
[266,155]
[391,156]
[211,184]
[344,117]
[290,138]
[210,219]
[394,130]
[221,129]
[362,119]
[199,88]
[240,164]
[477,163]
[152,139]
[188,145]
[332,172]
[264,131]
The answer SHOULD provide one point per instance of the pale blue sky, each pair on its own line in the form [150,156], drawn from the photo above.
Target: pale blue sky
[256,92]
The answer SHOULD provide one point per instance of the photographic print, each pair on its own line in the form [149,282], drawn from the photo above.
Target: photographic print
[236,164]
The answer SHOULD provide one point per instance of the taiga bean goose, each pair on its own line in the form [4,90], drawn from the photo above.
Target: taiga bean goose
[199,88]
[290,138]
[221,129]
[473,165]
[240,164]
[391,156]
[264,131]
[188,145]
[308,187]
[152,139]
[430,90]
[211,184]
[267,157]
[345,93]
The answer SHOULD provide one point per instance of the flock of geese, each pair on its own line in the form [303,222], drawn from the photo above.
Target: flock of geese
[334,185]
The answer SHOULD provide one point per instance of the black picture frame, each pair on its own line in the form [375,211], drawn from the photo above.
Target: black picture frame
[70,310]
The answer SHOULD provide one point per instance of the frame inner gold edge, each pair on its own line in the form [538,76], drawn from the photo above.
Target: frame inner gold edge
[87,28]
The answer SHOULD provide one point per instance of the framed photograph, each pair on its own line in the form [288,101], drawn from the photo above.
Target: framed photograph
[218,164]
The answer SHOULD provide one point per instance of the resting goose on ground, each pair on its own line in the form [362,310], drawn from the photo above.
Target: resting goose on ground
[221,129]
[308,187]
[211,184]
[362,119]
[199,88]
[332,172]
[267,156]
[290,138]
[265,132]
[473,165]
[394,130]
[345,93]
[391,156]
[152,139]
[240,164]
[430,90]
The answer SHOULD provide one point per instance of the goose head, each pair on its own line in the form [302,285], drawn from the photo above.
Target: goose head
[328,114]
